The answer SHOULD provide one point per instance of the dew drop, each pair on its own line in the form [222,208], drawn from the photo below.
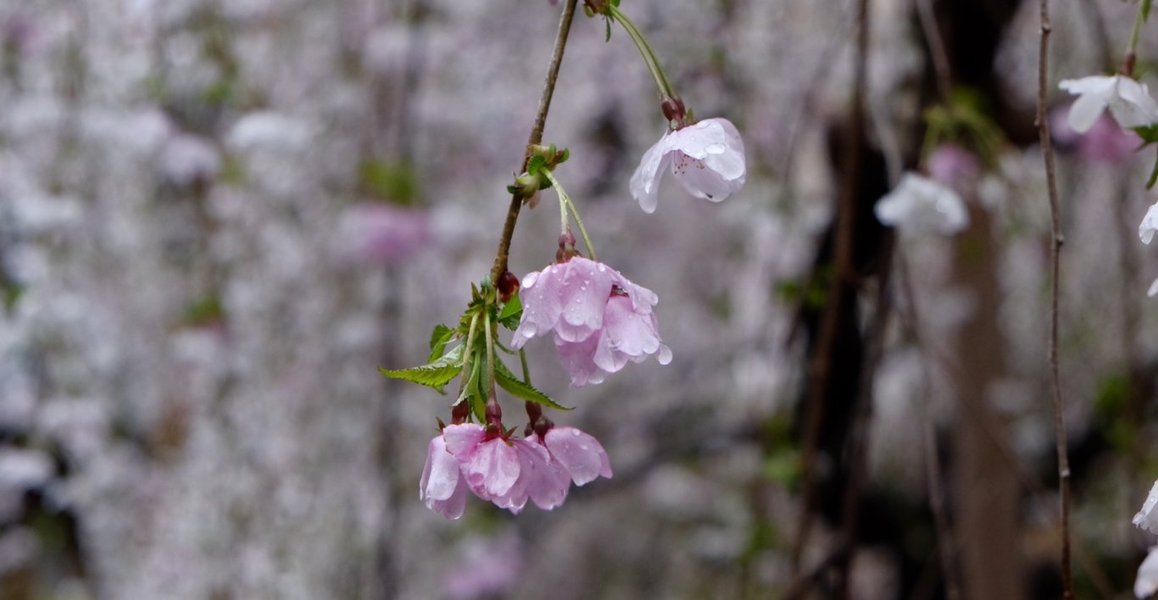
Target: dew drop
[530,279]
[574,433]
[715,149]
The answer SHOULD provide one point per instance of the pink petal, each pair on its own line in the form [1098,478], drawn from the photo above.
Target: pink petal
[462,440]
[644,182]
[455,505]
[582,455]
[578,360]
[493,468]
[441,474]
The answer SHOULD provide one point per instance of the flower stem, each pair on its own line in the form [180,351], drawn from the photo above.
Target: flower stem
[1128,63]
[653,64]
[565,203]
[490,356]
[536,137]
[468,355]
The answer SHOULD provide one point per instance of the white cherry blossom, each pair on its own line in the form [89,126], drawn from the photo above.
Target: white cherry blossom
[1129,101]
[920,205]
[706,158]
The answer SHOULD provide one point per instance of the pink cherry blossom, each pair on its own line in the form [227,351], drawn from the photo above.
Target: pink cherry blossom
[627,335]
[507,472]
[566,298]
[442,487]
[706,158]
[600,319]
[581,454]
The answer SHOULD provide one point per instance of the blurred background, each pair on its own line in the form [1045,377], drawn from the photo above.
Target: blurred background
[219,217]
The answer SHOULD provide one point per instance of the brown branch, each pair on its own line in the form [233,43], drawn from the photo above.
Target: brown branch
[820,366]
[536,137]
[1063,466]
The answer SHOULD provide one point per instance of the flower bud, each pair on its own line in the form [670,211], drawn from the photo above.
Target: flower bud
[508,285]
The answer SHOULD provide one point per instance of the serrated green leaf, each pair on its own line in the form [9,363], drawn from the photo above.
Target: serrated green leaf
[511,312]
[522,390]
[435,374]
[439,338]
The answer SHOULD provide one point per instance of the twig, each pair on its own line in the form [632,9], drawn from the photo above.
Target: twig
[1063,466]
[946,546]
[536,137]
[821,365]
[928,21]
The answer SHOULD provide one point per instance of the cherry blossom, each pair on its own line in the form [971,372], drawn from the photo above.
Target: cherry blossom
[1129,101]
[1146,582]
[1149,224]
[1147,518]
[600,319]
[579,453]
[507,472]
[442,487]
[706,158]
[919,205]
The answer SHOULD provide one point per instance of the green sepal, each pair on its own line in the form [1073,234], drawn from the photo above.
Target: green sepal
[434,374]
[521,389]
[1148,133]
[439,338]
[511,313]
[1145,10]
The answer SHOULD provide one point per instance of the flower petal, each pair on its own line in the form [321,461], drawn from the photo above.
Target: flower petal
[582,454]
[441,474]
[644,182]
[1149,224]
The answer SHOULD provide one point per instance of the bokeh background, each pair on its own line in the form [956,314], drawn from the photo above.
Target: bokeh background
[218,218]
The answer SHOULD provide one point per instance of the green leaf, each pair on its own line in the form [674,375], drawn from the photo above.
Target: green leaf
[1145,10]
[608,23]
[439,338]
[521,389]
[435,374]
[511,312]
[1148,133]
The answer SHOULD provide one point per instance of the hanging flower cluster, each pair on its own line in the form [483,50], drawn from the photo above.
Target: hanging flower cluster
[599,321]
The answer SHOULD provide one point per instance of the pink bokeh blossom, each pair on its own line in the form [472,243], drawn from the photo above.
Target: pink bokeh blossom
[380,234]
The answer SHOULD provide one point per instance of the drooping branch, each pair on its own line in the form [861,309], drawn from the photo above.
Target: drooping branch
[536,137]
[1056,241]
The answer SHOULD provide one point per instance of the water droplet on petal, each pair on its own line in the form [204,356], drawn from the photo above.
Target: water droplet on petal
[715,149]
[574,433]
[530,279]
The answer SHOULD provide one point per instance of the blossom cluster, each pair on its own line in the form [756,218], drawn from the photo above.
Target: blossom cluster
[599,320]
[507,471]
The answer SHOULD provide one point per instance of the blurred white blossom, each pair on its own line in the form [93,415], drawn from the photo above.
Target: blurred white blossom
[920,205]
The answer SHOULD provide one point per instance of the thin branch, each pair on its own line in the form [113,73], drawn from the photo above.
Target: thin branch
[820,366]
[1063,466]
[928,19]
[536,137]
